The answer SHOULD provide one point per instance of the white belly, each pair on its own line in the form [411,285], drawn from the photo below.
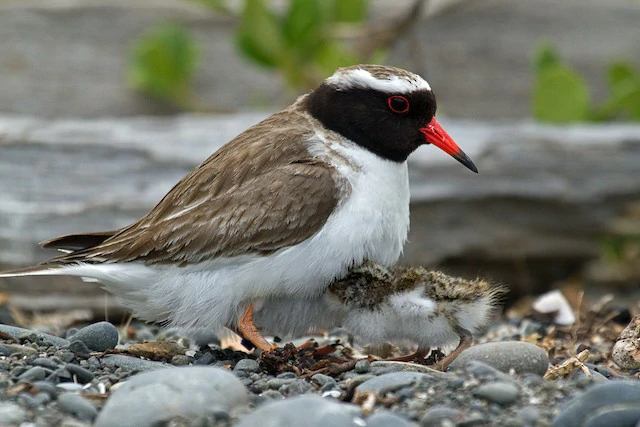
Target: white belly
[372,223]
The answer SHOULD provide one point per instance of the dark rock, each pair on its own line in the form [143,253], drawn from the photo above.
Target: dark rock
[247,365]
[99,336]
[83,375]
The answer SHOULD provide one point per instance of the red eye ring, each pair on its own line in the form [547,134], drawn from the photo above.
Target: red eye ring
[398,104]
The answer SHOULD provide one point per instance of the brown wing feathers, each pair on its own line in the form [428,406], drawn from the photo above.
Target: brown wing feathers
[238,201]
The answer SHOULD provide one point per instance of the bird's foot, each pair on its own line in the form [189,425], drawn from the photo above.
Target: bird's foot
[248,331]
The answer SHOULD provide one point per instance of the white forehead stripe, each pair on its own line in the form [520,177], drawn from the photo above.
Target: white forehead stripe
[358,78]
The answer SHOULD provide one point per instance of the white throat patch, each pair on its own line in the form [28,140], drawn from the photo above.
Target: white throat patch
[360,78]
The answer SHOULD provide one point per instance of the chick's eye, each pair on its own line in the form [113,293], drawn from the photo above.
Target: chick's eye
[398,104]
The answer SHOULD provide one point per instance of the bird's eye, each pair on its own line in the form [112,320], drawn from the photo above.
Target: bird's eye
[398,104]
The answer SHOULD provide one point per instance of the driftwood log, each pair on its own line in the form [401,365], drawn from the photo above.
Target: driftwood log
[534,213]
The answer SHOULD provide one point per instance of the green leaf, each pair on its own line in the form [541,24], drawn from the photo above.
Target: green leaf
[302,26]
[331,56]
[621,71]
[259,36]
[350,10]
[560,95]
[163,61]
[545,57]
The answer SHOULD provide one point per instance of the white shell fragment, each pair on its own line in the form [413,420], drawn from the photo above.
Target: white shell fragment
[554,301]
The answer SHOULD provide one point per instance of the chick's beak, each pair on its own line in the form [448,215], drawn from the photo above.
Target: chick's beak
[434,134]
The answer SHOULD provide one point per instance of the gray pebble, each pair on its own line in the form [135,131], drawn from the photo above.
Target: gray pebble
[11,414]
[93,363]
[308,411]
[247,365]
[387,419]
[18,333]
[205,359]
[594,376]
[627,414]
[276,383]
[501,392]
[99,336]
[181,360]
[17,349]
[45,362]
[394,366]
[45,387]
[298,386]
[83,375]
[260,386]
[153,398]
[42,398]
[4,351]
[287,375]
[596,400]
[78,347]
[71,387]
[28,401]
[439,415]
[129,363]
[36,373]
[520,356]
[529,415]
[322,379]
[391,382]
[77,406]
[362,366]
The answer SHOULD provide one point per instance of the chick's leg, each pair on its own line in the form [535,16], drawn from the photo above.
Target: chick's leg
[466,338]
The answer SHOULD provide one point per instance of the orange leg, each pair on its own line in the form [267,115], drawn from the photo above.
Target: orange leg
[247,330]
[465,342]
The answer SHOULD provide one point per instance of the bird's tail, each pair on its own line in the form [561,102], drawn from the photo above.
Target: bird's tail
[67,245]
[35,270]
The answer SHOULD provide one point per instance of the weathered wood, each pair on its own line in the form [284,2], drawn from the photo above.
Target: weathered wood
[543,193]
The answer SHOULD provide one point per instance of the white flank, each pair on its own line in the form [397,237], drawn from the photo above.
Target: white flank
[362,79]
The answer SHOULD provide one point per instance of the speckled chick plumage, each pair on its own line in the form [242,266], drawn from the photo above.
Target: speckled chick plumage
[379,304]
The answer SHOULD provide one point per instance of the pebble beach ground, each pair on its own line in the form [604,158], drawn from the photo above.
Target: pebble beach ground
[521,372]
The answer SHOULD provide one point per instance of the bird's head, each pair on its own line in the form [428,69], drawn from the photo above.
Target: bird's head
[387,110]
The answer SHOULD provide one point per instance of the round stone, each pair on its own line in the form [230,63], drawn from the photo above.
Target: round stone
[391,382]
[386,419]
[308,411]
[99,336]
[11,414]
[77,406]
[501,392]
[440,415]
[153,398]
[247,365]
[596,400]
[522,357]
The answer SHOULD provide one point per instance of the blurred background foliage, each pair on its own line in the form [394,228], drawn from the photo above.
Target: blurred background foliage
[309,39]
[561,95]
